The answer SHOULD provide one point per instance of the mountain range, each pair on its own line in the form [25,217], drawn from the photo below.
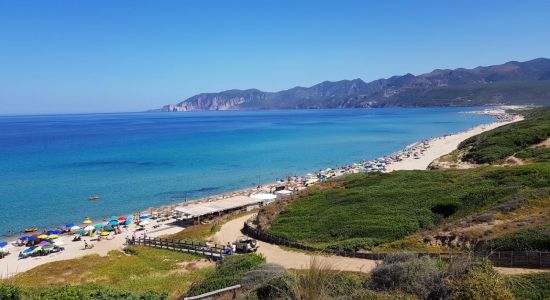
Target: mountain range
[509,83]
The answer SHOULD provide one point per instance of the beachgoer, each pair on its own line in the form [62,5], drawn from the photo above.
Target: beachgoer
[234,248]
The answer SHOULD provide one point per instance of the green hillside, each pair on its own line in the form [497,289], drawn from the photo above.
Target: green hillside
[369,209]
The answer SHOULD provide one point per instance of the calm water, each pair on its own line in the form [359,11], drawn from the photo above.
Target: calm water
[49,165]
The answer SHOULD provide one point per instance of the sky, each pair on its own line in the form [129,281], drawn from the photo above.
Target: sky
[120,56]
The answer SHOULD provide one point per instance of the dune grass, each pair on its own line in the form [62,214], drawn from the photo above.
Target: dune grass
[370,209]
[145,270]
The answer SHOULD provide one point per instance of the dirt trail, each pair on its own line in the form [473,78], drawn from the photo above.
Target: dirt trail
[231,230]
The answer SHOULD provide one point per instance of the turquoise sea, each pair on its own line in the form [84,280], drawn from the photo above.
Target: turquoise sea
[50,164]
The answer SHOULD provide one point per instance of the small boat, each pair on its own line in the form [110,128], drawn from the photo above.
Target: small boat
[31,229]
[93,197]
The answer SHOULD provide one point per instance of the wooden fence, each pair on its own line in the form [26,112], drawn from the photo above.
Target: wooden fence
[519,259]
[215,253]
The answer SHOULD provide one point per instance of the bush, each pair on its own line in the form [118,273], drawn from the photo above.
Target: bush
[531,286]
[529,239]
[90,293]
[8,292]
[480,285]
[408,273]
[228,273]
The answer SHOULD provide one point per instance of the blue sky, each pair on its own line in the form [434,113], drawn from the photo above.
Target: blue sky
[109,56]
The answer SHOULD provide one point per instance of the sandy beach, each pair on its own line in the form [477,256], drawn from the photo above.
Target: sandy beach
[11,264]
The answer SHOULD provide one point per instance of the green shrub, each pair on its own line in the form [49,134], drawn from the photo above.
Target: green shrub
[8,292]
[409,273]
[529,239]
[228,273]
[531,286]
[480,285]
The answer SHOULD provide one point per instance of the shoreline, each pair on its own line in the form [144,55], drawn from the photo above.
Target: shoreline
[417,156]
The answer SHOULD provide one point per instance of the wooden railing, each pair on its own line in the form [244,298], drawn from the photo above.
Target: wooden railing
[215,253]
[523,259]
[211,294]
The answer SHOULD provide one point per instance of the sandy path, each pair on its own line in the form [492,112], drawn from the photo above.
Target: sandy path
[231,230]
[441,146]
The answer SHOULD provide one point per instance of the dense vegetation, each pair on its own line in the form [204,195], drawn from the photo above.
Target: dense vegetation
[365,210]
[228,273]
[145,271]
[531,286]
[516,138]
[529,239]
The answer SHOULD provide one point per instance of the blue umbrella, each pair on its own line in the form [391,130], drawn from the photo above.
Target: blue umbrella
[129,217]
[25,238]
[69,225]
[3,244]
[128,222]
[114,223]
[98,226]
[144,217]
[108,228]
[33,238]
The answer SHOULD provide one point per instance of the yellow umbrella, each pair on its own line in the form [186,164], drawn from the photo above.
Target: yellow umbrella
[104,233]
[53,236]
[42,236]
[87,221]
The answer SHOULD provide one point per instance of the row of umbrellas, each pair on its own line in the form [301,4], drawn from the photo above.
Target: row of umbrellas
[107,226]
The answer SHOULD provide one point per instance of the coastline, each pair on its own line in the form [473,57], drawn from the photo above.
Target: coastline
[431,150]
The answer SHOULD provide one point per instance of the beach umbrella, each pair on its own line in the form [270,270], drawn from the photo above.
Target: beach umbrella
[105,233]
[80,231]
[42,244]
[108,228]
[43,236]
[121,218]
[113,217]
[28,250]
[58,243]
[89,228]
[33,238]
[114,223]
[70,225]
[3,244]
[128,222]
[75,228]
[87,221]
[144,217]
[53,236]
[97,226]
[132,225]
[144,222]
[24,238]
[36,249]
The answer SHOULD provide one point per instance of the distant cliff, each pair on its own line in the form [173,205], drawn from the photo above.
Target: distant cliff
[510,83]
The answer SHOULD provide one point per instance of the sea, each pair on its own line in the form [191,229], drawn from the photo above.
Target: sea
[51,164]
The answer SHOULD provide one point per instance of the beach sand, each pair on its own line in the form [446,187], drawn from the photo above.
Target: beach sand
[12,265]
